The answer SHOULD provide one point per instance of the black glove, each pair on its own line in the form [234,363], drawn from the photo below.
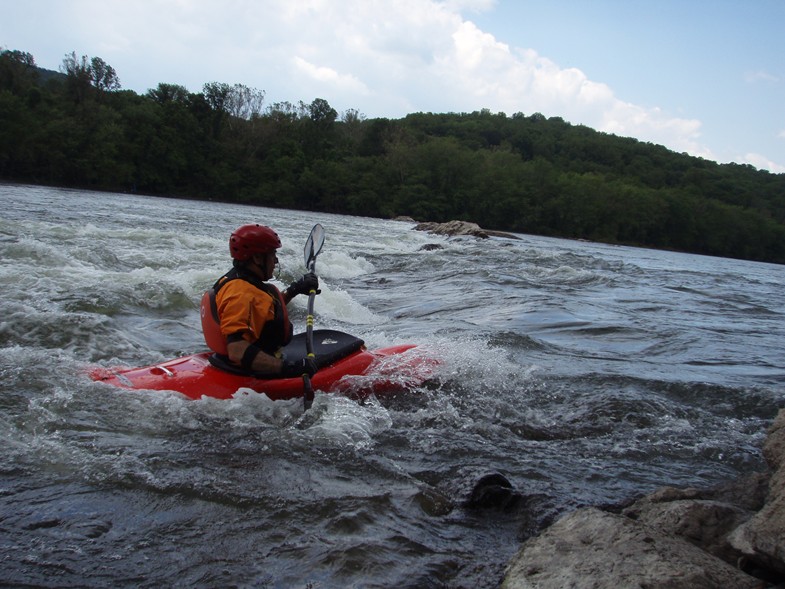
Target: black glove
[294,368]
[305,285]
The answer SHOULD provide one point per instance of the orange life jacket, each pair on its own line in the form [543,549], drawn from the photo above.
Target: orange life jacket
[275,333]
[211,323]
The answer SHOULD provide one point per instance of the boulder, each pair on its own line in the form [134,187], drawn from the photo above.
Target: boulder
[453,229]
[733,536]
[594,549]
[762,538]
[704,523]
[459,228]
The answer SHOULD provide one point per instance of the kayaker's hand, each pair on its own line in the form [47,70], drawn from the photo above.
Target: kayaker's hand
[292,369]
[305,285]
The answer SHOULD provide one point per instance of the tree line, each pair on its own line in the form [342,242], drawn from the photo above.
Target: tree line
[527,174]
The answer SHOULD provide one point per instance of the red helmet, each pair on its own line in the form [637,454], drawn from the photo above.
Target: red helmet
[249,240]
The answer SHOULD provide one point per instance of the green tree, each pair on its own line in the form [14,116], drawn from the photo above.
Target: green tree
[18,72]
[523,173]
[103,76]
[169,93]
[87,78]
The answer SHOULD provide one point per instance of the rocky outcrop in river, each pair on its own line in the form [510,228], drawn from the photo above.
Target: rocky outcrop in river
[673,539]
[458,228]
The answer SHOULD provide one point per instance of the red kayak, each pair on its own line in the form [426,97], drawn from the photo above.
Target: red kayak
[345,366]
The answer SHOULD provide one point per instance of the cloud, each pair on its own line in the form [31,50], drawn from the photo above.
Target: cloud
[469,5]
[386,60]
[422,55]
[762,162]
[753,77]
[325,75]
[477,71]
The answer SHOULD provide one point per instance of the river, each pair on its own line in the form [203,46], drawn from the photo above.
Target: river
[586,374]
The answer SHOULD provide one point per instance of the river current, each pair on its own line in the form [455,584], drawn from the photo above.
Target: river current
[585,374]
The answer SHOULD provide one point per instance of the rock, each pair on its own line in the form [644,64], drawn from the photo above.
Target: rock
[590,548]
[453,229]
[493,491]
[672,538]
[493,496]
[432,502]
[704,523]
[459,228]
[774,448]
[748,493]
[762,538]
[404,219]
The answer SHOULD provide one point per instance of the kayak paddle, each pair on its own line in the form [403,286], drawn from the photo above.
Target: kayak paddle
[312,248]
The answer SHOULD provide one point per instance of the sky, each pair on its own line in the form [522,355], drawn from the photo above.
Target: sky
[704,77]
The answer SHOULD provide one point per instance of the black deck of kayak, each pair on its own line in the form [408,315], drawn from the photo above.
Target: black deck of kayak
[329,346]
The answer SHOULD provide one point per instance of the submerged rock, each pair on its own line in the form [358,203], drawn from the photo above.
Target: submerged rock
[493,491]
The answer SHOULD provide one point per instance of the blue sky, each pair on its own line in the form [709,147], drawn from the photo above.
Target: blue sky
[706,77]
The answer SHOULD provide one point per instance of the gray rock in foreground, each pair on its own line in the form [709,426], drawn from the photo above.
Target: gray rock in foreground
[762,538]
[672,539]
[590,549]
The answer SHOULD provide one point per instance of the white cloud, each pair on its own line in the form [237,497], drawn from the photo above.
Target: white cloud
[468,5]
[477,71]
[762,162]
[651,124]
[326,75]
[384,59]
[752,77]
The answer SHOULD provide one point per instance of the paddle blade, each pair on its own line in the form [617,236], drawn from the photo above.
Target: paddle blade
[314,244]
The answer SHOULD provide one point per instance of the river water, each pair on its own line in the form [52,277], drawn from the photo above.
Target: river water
[585,374]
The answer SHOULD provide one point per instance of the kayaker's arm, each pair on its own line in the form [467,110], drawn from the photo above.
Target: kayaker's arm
[260,362]
[257,361]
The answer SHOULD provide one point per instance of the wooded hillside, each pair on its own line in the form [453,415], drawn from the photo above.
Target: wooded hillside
[521,173]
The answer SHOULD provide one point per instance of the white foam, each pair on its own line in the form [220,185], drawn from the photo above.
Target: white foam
[339,422]
[338,264]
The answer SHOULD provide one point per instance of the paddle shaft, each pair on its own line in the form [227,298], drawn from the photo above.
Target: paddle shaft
[313,246]
[307,386]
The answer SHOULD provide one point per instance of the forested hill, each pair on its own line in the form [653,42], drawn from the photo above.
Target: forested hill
[521,173]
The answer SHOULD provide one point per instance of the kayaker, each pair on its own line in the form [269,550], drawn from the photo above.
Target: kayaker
[244,318]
